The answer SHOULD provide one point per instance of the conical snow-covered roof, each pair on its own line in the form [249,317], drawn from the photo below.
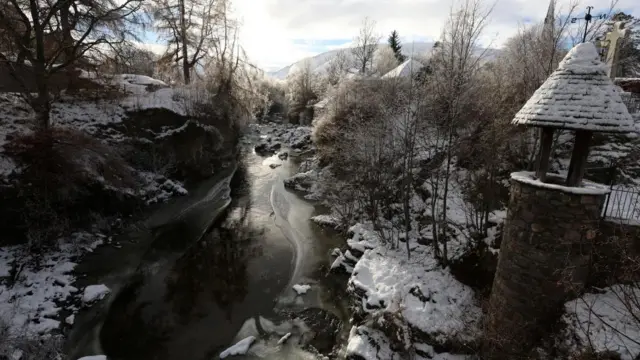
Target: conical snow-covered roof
[578,96]
[405,69]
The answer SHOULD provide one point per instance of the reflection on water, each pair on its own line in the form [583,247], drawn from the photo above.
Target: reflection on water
[188,303]
[192,294]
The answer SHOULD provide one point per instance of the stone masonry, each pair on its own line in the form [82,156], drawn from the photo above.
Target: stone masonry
[544,257]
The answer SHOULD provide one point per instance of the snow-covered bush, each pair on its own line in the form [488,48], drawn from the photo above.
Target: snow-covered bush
[304,87]
[384,60]
[274,94]
[361,136]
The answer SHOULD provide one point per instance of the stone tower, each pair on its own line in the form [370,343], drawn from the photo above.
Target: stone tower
[552,218]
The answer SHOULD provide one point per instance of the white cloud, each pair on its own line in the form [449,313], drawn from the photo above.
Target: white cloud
[271,26]
[157,49]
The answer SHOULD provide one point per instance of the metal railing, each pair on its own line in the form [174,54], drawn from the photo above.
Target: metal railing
[623,204]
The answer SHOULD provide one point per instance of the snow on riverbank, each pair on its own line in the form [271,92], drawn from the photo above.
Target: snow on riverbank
[239,348]
[272,137]
[31,299]
[301,289]
[95,292]
[606,321]
[427,297]
[402,302]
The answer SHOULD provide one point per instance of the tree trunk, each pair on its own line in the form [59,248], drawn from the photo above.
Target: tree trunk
[42,101]
[183,41]
[67,40]
[445,195]
[67,44]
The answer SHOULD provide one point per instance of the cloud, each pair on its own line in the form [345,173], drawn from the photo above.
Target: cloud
[158,49]
[276,33]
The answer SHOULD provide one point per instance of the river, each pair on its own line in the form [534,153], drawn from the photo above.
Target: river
[207,270]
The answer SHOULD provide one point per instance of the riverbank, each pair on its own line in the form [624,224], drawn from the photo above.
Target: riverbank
[44,295]
[113,157]
[403,305]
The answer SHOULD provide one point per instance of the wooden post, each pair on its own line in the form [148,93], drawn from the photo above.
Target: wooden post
[579,157]
[546,139]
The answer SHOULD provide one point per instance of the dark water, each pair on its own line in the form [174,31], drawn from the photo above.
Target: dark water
[202,283]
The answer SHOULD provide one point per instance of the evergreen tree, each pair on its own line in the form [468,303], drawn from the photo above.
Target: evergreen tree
[394,43]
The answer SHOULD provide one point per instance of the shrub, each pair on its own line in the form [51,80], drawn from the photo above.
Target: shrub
[65,178]
[29,347]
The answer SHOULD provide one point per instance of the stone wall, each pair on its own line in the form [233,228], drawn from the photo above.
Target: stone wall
[544,257]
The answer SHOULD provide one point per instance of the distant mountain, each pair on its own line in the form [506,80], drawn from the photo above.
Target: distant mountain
[320,62]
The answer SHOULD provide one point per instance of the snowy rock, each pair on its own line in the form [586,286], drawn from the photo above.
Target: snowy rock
[369,344]
[266,147]
[95,292]
[70,319]
[274,137]
[239,348]
[284,338]
[302,181]
[301,289]
[341,264]
[429,299]
[275,166]
[320,329]
[327,221]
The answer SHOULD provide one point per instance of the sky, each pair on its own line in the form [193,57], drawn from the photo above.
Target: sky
[276,33]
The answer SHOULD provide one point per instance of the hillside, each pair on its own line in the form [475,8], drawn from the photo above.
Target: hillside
[320,61]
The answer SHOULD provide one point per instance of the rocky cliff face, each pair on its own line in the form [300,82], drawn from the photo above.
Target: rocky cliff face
[110,153]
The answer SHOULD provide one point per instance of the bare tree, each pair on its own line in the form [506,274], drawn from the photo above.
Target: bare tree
[365,45]
[407,132]
[456,63]
[40,33]
[338,66]
[303,87]
[384,60]
[127,58]
[191,28]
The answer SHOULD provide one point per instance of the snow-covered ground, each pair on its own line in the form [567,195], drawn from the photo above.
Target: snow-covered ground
[31,298]
[606,321]
[427,298]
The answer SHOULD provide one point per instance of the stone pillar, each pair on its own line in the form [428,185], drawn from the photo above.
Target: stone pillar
[544,256]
